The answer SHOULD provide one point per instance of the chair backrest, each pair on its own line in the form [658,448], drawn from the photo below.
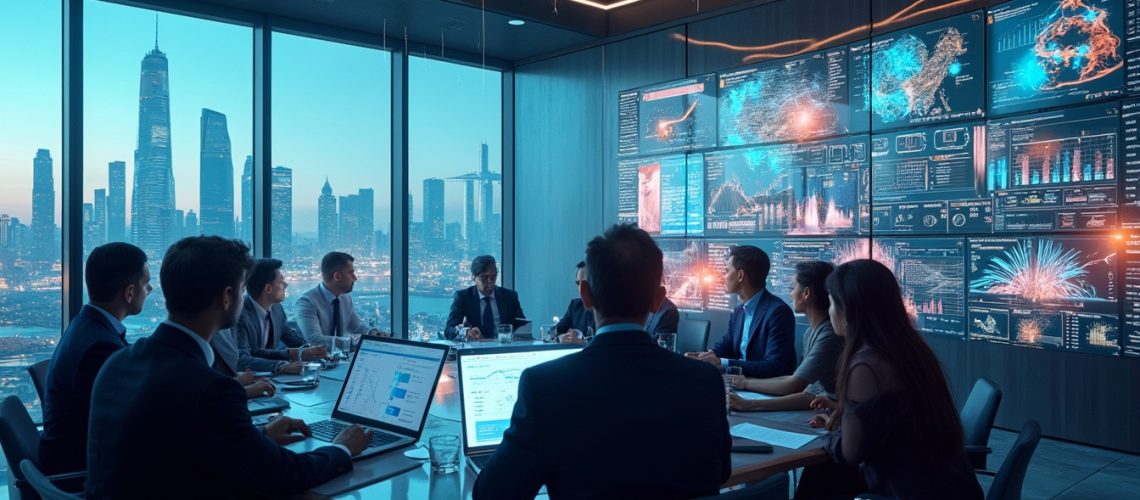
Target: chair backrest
[39,373]
[979,412]
[18,435]
[42,485]
[1007,483]
[692,335]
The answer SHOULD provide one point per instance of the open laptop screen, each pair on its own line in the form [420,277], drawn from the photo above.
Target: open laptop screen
[391,383]
[489,381]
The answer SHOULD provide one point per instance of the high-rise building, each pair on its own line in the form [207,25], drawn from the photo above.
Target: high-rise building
[433,214]
[117,201]
[5,230]
[98,233]
[367,216]
[478,204]
[247,199]
[327,224]
[281,207]
[152,200]
[216,176]
[88,212]
[191,227]
[356,222]
[43,208]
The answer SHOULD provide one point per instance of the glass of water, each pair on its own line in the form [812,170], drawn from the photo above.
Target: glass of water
[667,340]
[504,333]
[311,373]
[444,453]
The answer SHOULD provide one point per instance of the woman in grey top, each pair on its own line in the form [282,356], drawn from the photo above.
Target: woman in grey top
[815,375]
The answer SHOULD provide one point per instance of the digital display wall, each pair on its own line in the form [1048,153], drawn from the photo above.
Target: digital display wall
[684,269]
[1132,294]
[667,118]
[659,194]
[931,274]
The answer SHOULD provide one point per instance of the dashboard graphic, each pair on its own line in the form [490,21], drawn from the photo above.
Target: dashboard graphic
[391,383]
[1055,170]
[678,116]
[931,181]
[1052,53]
[1132,294]
[662,195]
[931,274]
[928,74]
[684,272]
[1049,292]
[1130,172]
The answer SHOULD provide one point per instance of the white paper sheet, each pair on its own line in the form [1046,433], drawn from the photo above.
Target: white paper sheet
[753,396]
[771,436]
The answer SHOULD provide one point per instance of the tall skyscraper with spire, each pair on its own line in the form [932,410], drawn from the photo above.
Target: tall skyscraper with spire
[327,224]
[44,246]
[216,177]
[152,200]
[117,201]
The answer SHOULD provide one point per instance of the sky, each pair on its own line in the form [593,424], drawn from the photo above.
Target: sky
[331,108]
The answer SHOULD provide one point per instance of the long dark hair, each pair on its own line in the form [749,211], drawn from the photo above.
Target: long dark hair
[868,295]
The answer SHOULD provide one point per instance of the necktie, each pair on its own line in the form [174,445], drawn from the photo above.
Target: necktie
[269,341]
[488,319]
[336,317]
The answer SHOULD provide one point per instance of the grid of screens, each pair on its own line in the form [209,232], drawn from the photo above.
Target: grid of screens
[991,159]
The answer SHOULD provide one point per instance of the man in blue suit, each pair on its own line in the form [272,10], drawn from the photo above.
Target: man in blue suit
[761,332]
[265,342]
[166,424]
[118,283]
[573,421]
[483,306]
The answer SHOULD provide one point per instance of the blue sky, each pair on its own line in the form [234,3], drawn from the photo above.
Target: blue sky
[331,106]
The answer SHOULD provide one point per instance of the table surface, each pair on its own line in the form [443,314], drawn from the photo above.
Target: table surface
[444,418]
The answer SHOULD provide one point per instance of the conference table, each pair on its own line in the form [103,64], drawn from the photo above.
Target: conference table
[372,477]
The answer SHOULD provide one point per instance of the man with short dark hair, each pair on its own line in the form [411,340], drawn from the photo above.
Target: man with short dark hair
[761,331]
[483,306]
[577,318]
[163,420]
[118,283]
[326,311]
[579,424]
[265,342]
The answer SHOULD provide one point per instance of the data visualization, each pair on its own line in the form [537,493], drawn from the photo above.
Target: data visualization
[663,195]
[1130,172]
[931,181]
[684,272]
[667,118]
[392,383]
[930,73]
[1132,294]
[803,188]
[1055,170]
[1046,53]
[1049,292]
[931,274]
[790,99]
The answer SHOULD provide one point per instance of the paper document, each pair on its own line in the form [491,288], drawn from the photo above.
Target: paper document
[753,396]
[771,436]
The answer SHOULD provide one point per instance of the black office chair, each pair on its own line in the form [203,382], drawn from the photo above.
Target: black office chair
[773,488]
[39,482]
[692,335]
[20,441]
[39,374]
[978,419]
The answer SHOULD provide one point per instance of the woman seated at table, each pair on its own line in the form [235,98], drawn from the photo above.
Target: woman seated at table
[893,417]
[816,374]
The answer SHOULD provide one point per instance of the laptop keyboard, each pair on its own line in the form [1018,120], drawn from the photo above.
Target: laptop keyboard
[480,461]
[327,430]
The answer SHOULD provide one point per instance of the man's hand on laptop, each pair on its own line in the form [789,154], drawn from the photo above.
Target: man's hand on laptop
[246,378]
[314,353]
[284,430]
[260,388]
[355,438]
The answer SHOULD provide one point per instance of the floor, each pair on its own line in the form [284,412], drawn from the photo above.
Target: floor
[1069,471]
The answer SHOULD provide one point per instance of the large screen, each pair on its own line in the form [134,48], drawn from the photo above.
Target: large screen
[684,272]
[669,117]
[1130,171]
[931,181]
[1049,292]
[1052,53]
[1132,293]
[930,73]
[659,194]
[802,188]
[932,275]
[791,99]
[1055,171]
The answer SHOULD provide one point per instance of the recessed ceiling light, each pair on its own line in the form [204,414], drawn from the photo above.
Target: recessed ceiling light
[516,22]
[597,5]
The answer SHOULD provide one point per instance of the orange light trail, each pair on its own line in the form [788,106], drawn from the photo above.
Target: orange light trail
[665,127]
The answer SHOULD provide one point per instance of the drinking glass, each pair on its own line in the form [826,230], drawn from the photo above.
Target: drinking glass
[731,373]
[443,451]
[667,340]
[311,373]
[503,332]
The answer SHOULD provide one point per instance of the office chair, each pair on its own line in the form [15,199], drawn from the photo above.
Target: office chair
[20,441]
[977,417]
[692,335]
[39,374]
[46,489]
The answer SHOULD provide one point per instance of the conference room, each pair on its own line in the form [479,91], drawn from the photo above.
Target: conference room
[419,233]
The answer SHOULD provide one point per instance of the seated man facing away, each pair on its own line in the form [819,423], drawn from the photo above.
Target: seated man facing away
[265,343]
[226,361]
[326,311]
[483,306]
[821,349]
[665,319]
[118,283]
[761,336]
[579,424]
[166,424]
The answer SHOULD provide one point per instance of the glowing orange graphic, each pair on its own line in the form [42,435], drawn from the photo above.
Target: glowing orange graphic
[665,127]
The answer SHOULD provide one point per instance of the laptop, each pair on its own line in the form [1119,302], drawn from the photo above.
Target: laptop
[488,386]
[388,389]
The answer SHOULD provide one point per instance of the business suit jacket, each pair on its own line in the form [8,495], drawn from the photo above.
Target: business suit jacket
[165,424]
[665,319]
[225,352]
[591,439]
[86,344]
[315,317]
[252,353]
[772,348]
[576,317]
[466,309]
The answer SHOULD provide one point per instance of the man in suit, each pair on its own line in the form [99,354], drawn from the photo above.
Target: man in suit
[226,357]
[164,423]
[575,437]
[664,320]
[577,318]
[484,306]
[325,312]
[761,331]
[265,343]
[118,283]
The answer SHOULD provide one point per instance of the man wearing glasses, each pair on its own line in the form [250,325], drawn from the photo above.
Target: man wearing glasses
[480,308]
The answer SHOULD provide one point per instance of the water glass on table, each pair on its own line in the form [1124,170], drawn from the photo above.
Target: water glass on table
[504,334]
[311,373]
[730,375]
[443,451]
[667,340]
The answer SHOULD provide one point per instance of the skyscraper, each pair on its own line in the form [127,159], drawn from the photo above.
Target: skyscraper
[117,201]
[356,221]
[247,200]
[5,230]
[366,206]
[98,233]
[433,214]
[88,213]
[477,214]
[216,176]
[281,205]
[43,208]
[191,227]
[152,200]
[327,224]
